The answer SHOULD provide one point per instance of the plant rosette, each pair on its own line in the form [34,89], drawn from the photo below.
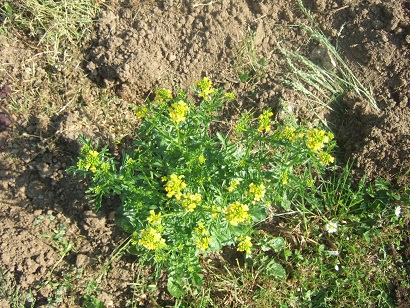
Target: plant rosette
[187,190]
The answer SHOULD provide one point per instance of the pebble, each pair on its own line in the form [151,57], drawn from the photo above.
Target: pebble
[172,57]
[37,213]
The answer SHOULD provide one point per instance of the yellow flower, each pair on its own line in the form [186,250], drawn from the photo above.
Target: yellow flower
[233,185]
[326,158]
[151,239]
[215,210]
[264,121]
[174,186]
[190,201]
[201,159]
[310,182]
[90,161]
[203,243]
[317,138]
[230,96]
[141,112]
[154,219]
[205,87]
[288,132]
[236,213]
[245,244]
[105,167]
[163,95]
[178,111]
[258,191]
[201,229]
[284,177]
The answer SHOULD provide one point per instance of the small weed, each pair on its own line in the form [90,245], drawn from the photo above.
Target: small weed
[12,295]
[58,239]
[248,64]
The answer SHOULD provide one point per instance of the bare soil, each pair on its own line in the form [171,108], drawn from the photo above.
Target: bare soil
[136,47]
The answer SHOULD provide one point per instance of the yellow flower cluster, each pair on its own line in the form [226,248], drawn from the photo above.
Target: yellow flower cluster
[265,121]
[284,177]
[151,239]
[190,201]
[288,132]
[141,112]
[258,191]
[201,159]
[105,167]
[236,213]
[245,244]
[154,219]
[174,186]
[163,95]
[201,229]
[90,161]
[326,158]
[230,96]
[203,241]
[178,111]
[205,87]
[215,210]
[233,185]
[317,138]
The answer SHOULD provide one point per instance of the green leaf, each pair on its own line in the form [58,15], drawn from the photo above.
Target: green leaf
[262,61]
[244,77]
[9,10]
[92,302]
[257,214]
[275,269]
[124,223]
[277,243]
[175,288]
[197,279]
[133,250]
[223,236]
[285,202]
[287,253]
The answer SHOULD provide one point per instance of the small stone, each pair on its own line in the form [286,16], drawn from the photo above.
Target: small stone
[111,216]
[172,57]
[37,213]
[323,56]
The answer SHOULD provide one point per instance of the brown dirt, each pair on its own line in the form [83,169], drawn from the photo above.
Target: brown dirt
[138,46]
